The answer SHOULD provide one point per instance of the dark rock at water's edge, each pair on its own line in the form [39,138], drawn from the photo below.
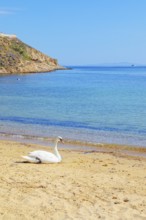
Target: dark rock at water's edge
[18,57]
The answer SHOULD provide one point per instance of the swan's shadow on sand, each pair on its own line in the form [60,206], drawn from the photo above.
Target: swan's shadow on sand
[26,162]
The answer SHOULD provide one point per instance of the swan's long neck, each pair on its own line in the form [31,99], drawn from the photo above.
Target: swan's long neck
[56,150]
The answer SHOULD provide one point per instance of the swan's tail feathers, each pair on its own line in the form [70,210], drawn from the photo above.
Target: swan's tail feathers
[30,159]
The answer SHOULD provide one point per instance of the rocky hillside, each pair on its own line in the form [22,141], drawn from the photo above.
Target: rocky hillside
[17,57]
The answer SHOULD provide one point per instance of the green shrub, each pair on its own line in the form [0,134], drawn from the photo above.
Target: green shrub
[20,48]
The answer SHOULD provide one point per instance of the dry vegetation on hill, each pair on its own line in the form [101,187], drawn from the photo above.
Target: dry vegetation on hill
[17,57]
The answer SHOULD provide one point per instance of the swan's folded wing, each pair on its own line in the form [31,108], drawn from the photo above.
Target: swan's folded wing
[40,153]
[35,153]
[43,156]
[31,159]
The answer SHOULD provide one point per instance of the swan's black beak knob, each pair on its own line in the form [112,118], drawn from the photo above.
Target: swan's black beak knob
[60,139]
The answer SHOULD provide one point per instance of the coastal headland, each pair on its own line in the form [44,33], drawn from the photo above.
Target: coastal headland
[18,57]
[86,185]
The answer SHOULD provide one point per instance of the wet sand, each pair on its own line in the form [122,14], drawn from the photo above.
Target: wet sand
[86,185]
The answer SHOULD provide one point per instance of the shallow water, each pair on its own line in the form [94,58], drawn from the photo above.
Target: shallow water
[91,104]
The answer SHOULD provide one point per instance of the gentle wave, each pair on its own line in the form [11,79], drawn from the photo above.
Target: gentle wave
[49,141]
[71,124]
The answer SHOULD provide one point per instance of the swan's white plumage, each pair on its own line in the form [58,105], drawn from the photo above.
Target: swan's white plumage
[30,159]
[41,156]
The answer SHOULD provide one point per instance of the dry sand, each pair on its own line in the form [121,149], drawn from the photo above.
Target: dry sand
[84,186]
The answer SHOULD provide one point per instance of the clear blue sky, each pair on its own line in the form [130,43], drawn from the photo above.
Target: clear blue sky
[80,32]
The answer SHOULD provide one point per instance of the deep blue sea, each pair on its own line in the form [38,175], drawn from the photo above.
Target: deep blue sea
[92,104]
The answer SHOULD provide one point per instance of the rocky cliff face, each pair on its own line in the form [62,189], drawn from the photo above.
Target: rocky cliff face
[17,57]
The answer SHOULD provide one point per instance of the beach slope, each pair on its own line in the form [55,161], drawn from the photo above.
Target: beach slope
[94,185]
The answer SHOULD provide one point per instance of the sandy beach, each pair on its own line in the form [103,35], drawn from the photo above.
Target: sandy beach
[94,185]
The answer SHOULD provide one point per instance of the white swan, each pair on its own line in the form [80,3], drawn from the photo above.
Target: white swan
[41,156]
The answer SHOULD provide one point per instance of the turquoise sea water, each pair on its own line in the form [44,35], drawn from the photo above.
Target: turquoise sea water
[93,104]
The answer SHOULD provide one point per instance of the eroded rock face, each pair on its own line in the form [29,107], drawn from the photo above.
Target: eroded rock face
[17,57]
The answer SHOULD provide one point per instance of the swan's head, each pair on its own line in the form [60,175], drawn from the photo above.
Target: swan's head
[59,139]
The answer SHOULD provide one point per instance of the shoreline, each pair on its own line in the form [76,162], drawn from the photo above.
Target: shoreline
[29,128]
[78,145]
[85,185]
[19,72]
